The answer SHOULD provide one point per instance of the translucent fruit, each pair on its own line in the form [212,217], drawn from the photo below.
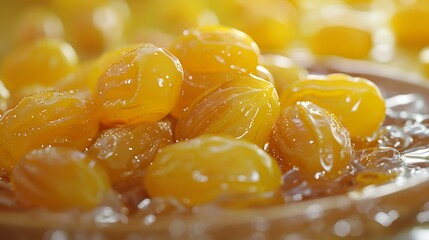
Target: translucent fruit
[59,178]
[195,84]
[409,25]
[143,85]
[43,63]
[46,119]
[87,74]
[126,151]
[195,172]
[245,108]
[309,138]
[357,102]
[345,41]
[216,49]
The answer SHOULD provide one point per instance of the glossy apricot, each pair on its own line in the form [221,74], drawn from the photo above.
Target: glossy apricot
[357,102]
[194,171]
[409,26]
[215,49]
[345,41]
[42,63]
[126,151]
[309,138]
[143,85]
[59,178]
[195,84]
[45,119]
[245,108]
[86,76]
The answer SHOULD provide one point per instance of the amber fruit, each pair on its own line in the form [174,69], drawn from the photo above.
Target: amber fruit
[409,26]
[194,171]
[47,119]
[86,76]
[311,139]
[43,63]
[127,150]
[245,108]
[216,49]
[345,41]
[195,84]
[357,102]
[142,86]
[59,178]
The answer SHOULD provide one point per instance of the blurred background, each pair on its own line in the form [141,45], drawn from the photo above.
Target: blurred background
[387,31]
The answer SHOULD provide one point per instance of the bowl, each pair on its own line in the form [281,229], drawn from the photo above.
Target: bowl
[374,212]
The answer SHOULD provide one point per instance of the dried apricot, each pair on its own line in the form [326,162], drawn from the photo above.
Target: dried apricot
[216,49]
[345,41]
[41,63]
[195,84]
[59,178]
[409,26]
[245,108]
[357,102]
[87,74]
[143,85]
[309,138]
[194,171]
[47,119]
[126,151]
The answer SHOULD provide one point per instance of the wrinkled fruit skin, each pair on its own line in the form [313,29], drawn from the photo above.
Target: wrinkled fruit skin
[47,119]
[126,151]
[309,138]
[244,108]
[202,169]
[216,49]
[356,102]
[59,178]
[195,84]
[142,86]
